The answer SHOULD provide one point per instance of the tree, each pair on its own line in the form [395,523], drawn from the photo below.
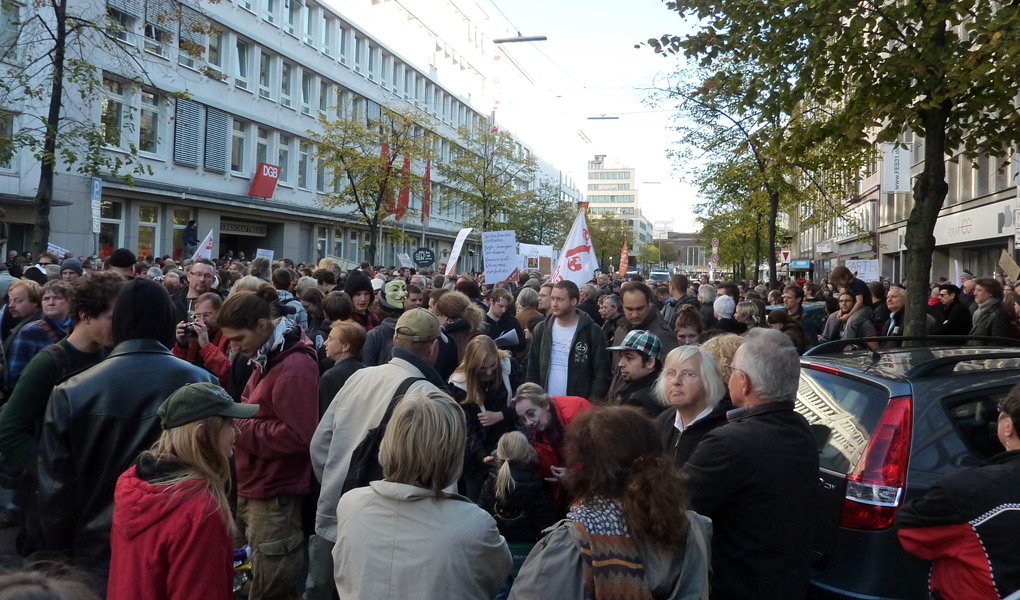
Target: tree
[51,80]
[542,217]
[648,255]
[367,177]
[941,69]
[607,237]
[491,174]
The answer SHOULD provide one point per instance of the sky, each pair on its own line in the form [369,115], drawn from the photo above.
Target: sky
[589,60]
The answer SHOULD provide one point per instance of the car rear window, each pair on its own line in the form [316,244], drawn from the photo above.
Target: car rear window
[843,413]
[976,418]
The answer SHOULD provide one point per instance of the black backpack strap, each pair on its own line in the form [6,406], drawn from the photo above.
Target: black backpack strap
[398,396]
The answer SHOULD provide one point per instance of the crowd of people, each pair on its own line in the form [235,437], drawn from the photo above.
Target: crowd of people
[391,433]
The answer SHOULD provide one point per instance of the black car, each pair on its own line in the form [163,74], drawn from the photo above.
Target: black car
[890,423]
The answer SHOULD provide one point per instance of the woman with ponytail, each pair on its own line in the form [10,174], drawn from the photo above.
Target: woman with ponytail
[274,469]
[172,523]
[627,534]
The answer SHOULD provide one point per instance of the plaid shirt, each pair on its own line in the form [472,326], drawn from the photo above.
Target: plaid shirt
[32,338]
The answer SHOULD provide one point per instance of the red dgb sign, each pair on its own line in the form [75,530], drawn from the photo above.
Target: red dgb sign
[264,183]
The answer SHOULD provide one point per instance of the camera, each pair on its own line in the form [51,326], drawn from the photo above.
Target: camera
[189,329]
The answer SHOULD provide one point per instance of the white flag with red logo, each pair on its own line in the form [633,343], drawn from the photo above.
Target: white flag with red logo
[205,250]
[577,260]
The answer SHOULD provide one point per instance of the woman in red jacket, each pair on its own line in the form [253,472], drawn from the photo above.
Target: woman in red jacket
[171,535]
[547,417]
[274,469]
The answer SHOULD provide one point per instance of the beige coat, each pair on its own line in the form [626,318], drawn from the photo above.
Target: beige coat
[399,542]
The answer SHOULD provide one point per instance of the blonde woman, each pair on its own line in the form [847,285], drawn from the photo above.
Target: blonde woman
[406,536]
[172,524]
[484,384]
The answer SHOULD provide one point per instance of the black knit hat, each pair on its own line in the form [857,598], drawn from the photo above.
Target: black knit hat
[144,310]
[122,257]
[357,282]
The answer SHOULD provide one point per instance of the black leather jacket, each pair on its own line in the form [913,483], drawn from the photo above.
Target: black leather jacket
[96,424]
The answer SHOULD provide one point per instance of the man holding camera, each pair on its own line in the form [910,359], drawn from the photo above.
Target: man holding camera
[200,341]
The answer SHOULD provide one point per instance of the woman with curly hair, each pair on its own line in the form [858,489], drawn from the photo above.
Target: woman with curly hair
[628,532]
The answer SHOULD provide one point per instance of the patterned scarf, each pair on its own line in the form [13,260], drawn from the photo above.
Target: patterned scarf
[613,567]
[274,343]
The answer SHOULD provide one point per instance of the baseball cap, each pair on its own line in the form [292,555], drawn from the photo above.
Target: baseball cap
[196,401]
[642,341]
[424,326]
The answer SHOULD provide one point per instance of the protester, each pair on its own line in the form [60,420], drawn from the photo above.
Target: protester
[689,325]
[880,310]
[343,346]
[639,365]
[750,313]
[965,523]
[692,388]
[359,289]
[707,295]
[283,281]
[78,474]
[200,281]
[172,522]
[71,270]
[336,306]
[311,299]
[638,314]
[588,303]
[568,356]
[679,297]
[415,297]
[483,385]
[406,537]
[38,585]
[273,470]
[863,305]
[121,260]
[840,327]
[379,344]
[515,495]
[779,319]
[611,309]
[756,477]
[527,310]
[545,297]
[358,408]
[990,318]
[36,335]
[500,324]
[460,318]
[725,308]
[201,342]
[628,533]
[24,306]
[547,417]
[722,349]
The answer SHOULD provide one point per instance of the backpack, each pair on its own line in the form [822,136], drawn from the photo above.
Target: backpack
[365,467]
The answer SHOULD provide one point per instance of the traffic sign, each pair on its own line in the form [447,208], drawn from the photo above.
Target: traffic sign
[97,197]
[784,256]
[715,242]
[715,259]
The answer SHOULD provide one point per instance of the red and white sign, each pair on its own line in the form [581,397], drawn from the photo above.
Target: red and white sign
[715,242]
[624,260]
[263,184]
[205,250]
[714,259]
[784,256]
[578,262]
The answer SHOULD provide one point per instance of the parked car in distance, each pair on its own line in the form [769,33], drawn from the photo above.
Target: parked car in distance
[890,423]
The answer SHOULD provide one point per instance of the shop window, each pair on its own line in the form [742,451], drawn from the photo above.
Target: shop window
[148,230]
[111,226]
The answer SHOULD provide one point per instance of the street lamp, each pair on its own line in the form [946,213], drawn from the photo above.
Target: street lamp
[520,38]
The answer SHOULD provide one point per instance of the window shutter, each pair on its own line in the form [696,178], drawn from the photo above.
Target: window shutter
[187,123]
[217,140]
[162,14]
[131,8]
[193,26]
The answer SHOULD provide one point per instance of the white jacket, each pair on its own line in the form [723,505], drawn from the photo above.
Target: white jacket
[398,541]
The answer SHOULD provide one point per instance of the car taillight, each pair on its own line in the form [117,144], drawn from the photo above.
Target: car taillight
[875,488]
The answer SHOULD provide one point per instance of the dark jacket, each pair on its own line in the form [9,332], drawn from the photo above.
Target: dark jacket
[334,379]
[653,323]
[956,319]
[609,329]
[966,524]
[481,440]
[460,333]
[672,308]
[95,425]
[506,324]
[378,348]
[592,310]
[682,445]
[757,478]
[526,510]
[730,326]
[589,369]
[640,393]
[708,313]
[990,319]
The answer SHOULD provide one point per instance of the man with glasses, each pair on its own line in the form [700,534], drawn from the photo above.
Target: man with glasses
[956,318]
[200,281]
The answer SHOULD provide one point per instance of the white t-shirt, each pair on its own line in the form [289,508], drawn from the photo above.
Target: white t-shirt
[560,358]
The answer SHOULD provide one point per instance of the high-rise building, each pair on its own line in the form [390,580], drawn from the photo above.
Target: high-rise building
[613,191]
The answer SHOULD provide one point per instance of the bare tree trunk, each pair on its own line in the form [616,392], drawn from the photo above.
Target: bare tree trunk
[773,215]
[44,194]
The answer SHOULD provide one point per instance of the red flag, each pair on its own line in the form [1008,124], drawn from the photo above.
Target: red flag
[384,175]
[624,260]
[405,189]
[426,194]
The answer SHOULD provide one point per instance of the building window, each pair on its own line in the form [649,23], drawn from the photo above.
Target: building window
[327,27]
[10,23]
[111,222]
[320,177]
[216,49]
[373,60]
[157,39]
[292,10]
[237,148]
[181,218]
[285,84]
[341,40]
[265,74]
[120,25]
[6,140]
[241,64]
[246,5]
[111,124]
[148,131]
[358,43]
[308,24]
[284,159]
[302,166]
[325,93]
[262,146]
[148,230]
[269,11]
[306,92]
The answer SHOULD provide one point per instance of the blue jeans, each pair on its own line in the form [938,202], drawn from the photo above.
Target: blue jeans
[504,593]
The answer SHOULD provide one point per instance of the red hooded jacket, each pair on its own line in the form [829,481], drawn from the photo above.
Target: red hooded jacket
[549,443]
[168,543]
